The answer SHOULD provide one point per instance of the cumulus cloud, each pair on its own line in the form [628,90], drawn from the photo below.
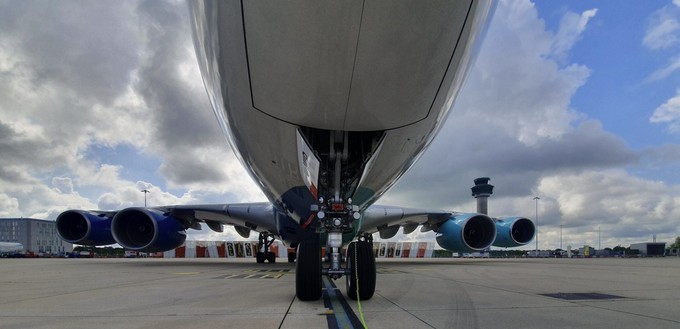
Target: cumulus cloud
[85,49]
[513,122]
[660,155]
[109,201]
[513,119]
[63,184]
[99,75]
[81,76]
[632,207]
[8,205]
[527,93]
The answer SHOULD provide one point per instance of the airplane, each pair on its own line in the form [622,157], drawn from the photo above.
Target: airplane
[10,247]
[327,104]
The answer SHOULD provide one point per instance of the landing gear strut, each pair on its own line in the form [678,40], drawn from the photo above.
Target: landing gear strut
[336,216]
[264,241]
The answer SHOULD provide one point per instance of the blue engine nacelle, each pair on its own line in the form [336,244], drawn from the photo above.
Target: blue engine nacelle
[514,231]
[147,230]
[85,227]
[466,233]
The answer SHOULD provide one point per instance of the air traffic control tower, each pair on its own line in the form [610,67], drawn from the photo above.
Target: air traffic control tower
[482,191]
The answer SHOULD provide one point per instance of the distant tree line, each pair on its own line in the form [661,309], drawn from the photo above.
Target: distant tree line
[675,245]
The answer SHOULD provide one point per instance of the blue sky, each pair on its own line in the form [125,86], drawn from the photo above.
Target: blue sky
[621,92]
[577,102]
[617,92]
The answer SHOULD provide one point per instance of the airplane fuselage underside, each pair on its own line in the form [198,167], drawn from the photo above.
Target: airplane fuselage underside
[362,86]
[327,104]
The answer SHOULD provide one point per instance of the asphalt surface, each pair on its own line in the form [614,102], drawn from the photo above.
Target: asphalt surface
[410,293]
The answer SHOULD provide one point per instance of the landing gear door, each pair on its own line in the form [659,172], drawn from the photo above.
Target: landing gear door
[309,165]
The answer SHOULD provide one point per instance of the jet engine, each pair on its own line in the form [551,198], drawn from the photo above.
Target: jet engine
[514,231]
[147,230]
[466,232]
[85,227]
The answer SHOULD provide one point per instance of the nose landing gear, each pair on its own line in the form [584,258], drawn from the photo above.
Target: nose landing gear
[359,265]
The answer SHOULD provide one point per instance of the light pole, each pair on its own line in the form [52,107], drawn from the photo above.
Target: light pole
[145,191]
[560,236]
[536,199]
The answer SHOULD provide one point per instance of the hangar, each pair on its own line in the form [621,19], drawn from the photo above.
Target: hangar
[650,249]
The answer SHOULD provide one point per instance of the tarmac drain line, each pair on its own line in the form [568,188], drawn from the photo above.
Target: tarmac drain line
[340,314]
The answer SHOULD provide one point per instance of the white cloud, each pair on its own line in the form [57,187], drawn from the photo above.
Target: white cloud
[669,113]
[665,72]
[63,184]
[662,29]
[527,93]
[109,201]
[121,74]
[572,26]
[8,205]
[513,122]
[132,81]
[632,207]
[663,33]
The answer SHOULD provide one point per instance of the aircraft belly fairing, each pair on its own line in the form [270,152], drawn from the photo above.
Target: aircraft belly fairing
[355,61]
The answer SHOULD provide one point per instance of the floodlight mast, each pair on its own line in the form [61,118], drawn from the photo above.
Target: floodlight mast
[536,199]
[145,191]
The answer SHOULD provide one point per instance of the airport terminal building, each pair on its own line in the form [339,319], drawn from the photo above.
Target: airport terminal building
[36,235]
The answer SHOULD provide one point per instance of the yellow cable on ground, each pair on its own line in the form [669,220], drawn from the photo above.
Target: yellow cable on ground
[356,275]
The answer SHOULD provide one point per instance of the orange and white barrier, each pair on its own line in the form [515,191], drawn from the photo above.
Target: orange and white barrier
[403,249]
[248,249]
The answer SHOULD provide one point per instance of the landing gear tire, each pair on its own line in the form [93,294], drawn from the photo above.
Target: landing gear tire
[260,257]
[308,270]
[365,267]
[271,257]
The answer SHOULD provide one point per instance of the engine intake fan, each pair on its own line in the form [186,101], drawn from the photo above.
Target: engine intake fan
[85,227]
[147,230]
[466,232]
[514,231]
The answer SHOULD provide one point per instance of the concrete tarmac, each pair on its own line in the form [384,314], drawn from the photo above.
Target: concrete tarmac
[410,293]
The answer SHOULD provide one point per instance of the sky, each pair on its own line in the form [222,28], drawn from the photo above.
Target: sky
[576,102]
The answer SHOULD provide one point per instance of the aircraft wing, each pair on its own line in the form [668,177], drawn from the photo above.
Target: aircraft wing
[388,219]
[244,217]
[455,230]
[161,228]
